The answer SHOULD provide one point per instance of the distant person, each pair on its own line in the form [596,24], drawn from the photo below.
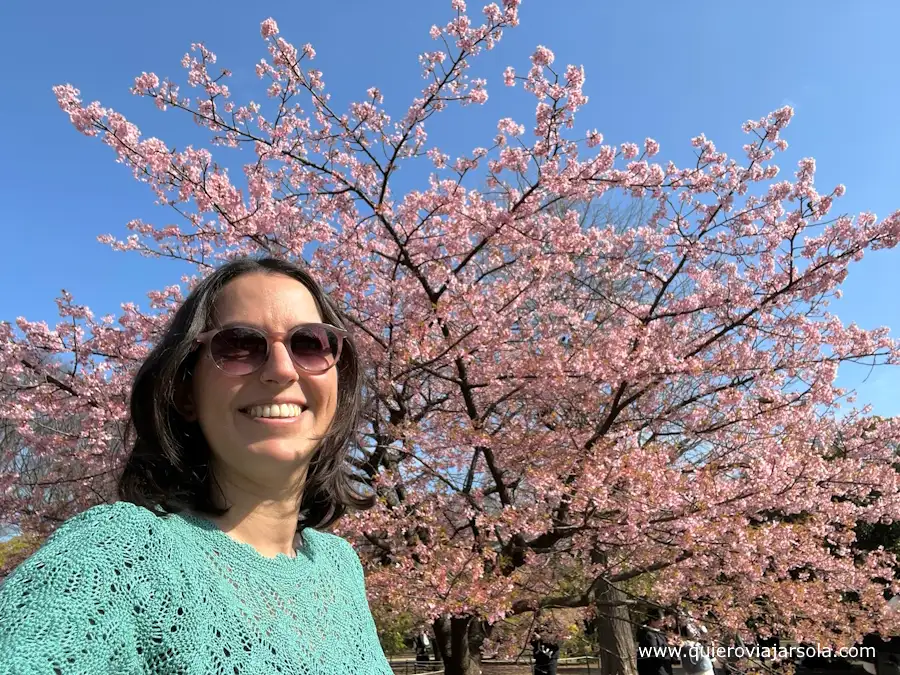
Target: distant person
[423,644]
[653,657]
[767,648]
[887,654]
[545,654]
[694,655]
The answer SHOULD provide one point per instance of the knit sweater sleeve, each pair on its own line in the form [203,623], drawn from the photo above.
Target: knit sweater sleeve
[68,609]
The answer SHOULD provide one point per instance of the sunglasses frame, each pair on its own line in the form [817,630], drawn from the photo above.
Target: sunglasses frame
[205,339]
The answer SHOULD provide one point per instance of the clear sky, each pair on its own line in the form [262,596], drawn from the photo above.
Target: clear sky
[661,69]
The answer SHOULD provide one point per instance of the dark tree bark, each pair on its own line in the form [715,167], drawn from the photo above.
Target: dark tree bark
[459,642]
[614,634]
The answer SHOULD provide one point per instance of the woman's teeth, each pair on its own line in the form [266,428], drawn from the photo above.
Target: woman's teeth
[278,410]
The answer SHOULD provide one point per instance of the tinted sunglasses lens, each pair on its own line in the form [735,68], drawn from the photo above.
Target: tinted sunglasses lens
[239,351]
[315,348]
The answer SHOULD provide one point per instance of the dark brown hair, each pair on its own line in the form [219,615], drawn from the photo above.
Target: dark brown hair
[169,464]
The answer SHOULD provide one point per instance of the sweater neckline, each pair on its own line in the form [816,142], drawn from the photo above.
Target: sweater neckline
[234,553]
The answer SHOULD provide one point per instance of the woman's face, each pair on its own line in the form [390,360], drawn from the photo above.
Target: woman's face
[244,446]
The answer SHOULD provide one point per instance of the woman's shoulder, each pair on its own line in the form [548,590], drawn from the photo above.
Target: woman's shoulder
[115,514]
[117,523]
[332,548]
[101,537]
[78,598]
[326,542]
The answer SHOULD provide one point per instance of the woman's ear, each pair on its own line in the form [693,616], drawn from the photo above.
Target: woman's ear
[188,410]
[184,401]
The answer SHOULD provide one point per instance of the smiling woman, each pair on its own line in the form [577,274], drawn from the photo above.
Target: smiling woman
[215,560]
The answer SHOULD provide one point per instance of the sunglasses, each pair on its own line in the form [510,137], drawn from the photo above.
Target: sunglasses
[241,350]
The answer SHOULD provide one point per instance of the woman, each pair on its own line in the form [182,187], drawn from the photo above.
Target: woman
[695,658]
[215,560]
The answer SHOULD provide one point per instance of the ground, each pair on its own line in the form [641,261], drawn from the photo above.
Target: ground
[526,670]
[411,668]
[507,669]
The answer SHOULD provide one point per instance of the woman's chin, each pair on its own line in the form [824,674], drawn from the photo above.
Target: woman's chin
[282,451]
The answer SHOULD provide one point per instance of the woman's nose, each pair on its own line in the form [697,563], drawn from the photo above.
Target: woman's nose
[279,367]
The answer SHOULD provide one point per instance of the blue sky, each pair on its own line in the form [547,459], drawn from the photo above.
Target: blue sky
[660,69]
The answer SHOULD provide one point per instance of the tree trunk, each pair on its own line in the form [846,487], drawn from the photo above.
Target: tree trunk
[459,642]
[438,650]
[617,648]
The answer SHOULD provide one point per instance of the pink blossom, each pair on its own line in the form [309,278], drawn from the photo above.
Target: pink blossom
[509,126]
[268,28]
[594,138]
[629,150]
[478,93]
[146,81]
[438,158]
[492,13]
[575,76]
[542,56]
[651,147]
[509,77]
[458,5]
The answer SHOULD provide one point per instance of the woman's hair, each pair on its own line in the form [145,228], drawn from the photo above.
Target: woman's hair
[169,464]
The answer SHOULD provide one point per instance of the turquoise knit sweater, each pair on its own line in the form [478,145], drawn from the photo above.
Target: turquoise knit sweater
[118,589]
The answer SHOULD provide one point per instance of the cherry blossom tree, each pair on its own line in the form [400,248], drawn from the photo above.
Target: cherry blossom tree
[561,405]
